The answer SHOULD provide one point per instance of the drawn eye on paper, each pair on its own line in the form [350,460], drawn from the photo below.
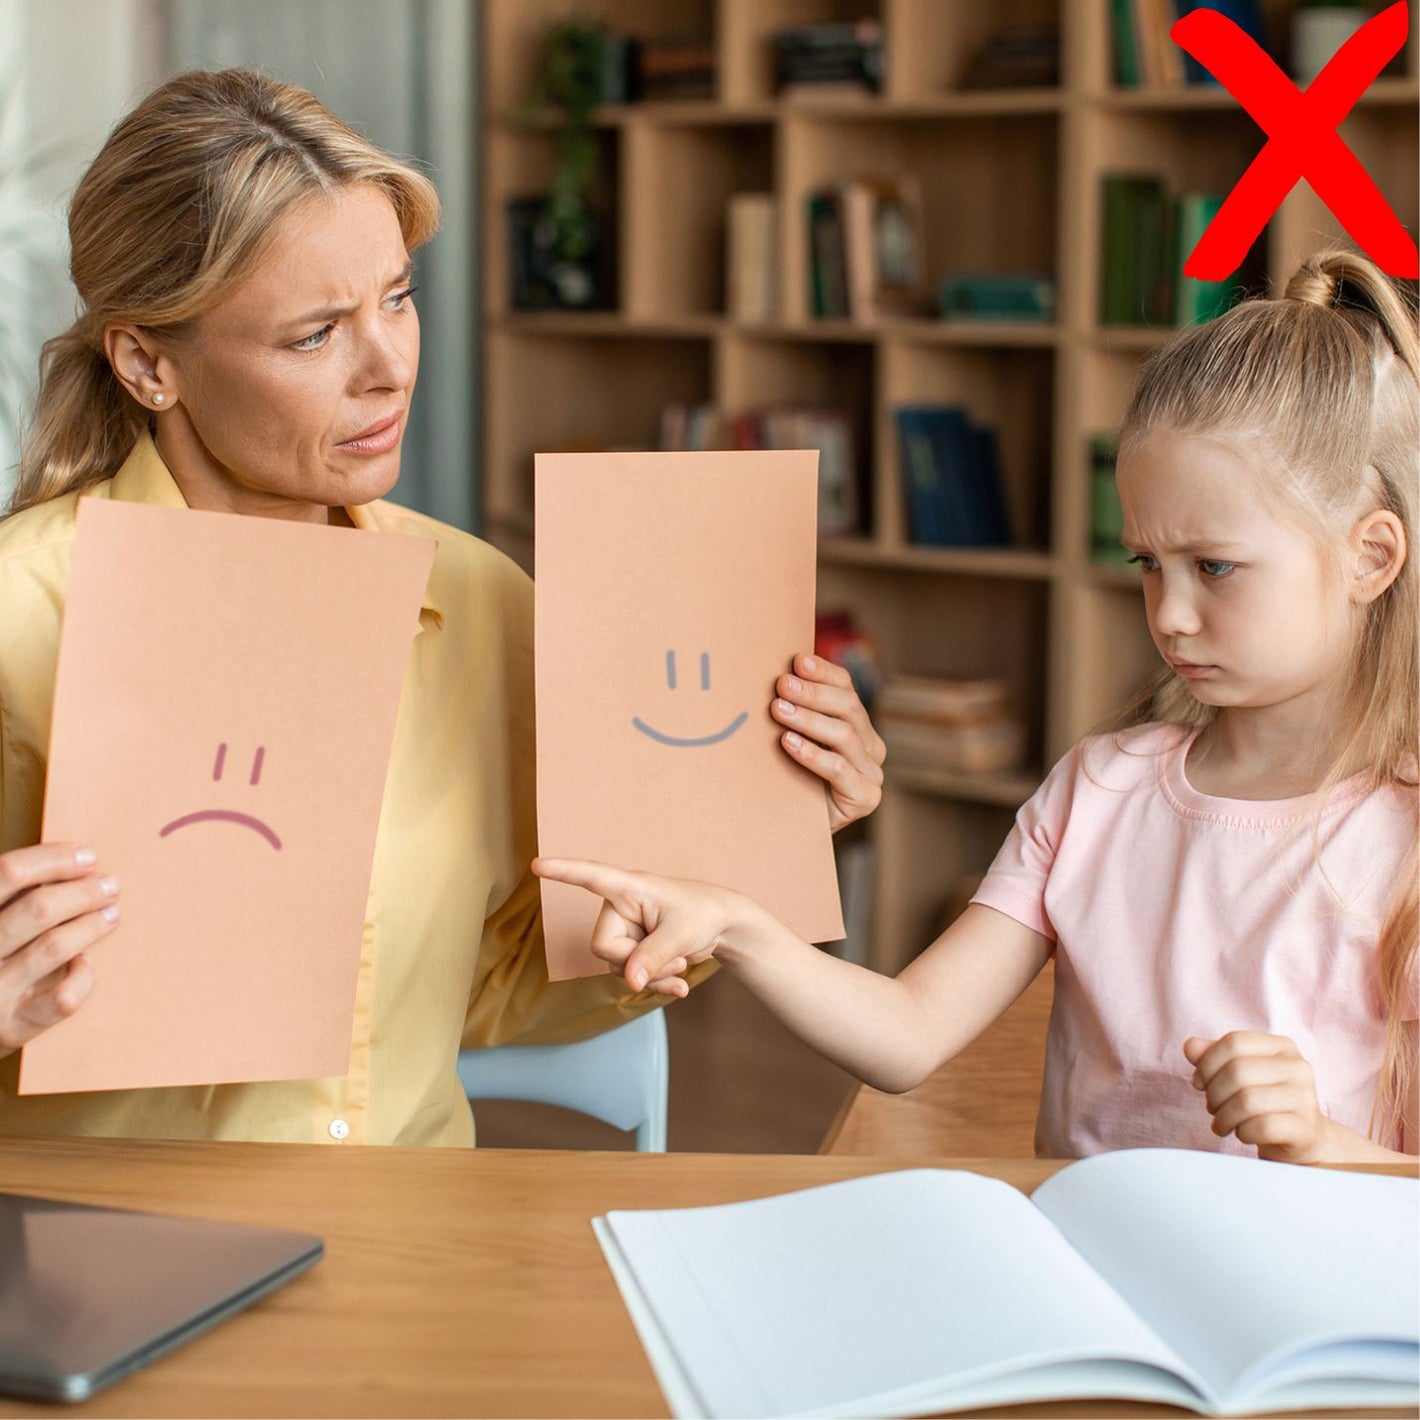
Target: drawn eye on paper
[224,815]
[696,741]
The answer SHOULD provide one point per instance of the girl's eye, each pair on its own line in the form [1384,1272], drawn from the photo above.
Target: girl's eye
[1144,562]
[314,340]
[1211,567]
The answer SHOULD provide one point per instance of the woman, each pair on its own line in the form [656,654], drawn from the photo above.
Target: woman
[248,345]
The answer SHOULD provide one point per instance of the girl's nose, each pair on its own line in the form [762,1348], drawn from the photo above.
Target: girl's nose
[1175,614]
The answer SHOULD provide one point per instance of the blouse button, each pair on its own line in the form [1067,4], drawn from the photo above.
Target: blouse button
[339,1129]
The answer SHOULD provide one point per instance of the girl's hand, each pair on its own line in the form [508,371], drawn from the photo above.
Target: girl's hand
[827,730]
[650,929]
[52,909]
[1259,1088]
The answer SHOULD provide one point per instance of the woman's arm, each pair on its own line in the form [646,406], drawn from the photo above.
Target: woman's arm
[890,1032]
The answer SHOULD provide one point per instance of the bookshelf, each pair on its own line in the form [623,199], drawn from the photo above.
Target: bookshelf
[1010,180]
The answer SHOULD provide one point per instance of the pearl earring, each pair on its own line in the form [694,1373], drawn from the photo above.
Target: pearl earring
[159,397]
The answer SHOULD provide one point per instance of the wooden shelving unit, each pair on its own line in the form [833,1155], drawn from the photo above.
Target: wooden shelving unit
[1010,181]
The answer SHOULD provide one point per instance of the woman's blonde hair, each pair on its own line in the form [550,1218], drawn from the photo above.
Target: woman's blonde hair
[1324,383]
[174,212]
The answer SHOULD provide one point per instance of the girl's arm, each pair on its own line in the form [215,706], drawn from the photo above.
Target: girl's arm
[892,1033]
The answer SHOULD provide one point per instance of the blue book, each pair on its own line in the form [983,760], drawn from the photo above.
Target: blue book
[991,491]
[917,467]
[954,449]
[1246,14]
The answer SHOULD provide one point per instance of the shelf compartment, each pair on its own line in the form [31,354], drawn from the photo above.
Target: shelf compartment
[746,58]
[931,46]
[677,183]
[591,394]
[988,189]
[1011,391]
[1112,655]
[1019,563]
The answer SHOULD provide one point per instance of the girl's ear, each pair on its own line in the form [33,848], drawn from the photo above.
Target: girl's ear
[1377,553]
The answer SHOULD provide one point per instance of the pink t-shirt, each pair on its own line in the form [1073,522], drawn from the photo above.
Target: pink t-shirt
[1177,914]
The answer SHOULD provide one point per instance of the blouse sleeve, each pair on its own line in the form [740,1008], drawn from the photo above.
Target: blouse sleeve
[1015,882]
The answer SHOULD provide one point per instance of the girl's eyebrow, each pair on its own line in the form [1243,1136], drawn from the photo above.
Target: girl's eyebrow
[331,312]
[1203,548]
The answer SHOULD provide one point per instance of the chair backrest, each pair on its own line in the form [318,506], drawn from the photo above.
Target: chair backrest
[981,1104]
[621,1076]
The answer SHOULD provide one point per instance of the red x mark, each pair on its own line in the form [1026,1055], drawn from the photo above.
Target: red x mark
[1301,140]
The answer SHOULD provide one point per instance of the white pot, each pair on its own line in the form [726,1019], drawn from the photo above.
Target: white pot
[1318,32]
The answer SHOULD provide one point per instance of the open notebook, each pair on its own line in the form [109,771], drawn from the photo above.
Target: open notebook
[1218,1283]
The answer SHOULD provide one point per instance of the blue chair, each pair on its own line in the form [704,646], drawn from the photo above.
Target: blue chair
[621,1076]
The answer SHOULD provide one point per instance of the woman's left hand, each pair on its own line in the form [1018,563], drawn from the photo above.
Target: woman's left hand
[1259,1088]
[827,730]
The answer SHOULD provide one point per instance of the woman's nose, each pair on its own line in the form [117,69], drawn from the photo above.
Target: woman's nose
[389,360]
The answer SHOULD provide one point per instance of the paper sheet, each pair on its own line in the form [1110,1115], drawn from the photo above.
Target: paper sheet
[672,590]
[224,709]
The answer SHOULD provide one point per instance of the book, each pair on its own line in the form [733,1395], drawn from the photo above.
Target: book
[942,700]
[1137,259]
[1013,296]
[992,747]
[1210,1281]
[1106,512]
[832,53]
[828,264]
[953,492]
[1198,301]
[751,274]
[882,247]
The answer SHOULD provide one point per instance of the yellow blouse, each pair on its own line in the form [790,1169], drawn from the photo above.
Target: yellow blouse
[452,952]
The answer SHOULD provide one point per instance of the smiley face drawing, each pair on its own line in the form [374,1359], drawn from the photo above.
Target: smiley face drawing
[700,741]
[228,815]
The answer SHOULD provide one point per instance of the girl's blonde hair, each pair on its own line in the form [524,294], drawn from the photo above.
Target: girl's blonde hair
[175,211]
[1325,384]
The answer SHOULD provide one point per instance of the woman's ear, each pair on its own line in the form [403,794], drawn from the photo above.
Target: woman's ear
[140,365]
[1377,552]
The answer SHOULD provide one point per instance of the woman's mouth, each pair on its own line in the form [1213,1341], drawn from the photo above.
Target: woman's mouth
[377,439]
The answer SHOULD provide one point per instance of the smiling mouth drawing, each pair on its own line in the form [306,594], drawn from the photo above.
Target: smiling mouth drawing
[228,816]
[699,741]
[715,739]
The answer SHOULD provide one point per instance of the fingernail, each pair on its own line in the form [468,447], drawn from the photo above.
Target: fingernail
[637,979]
[810,664]
[86,857]
[785,708]
[794,686]
[110,914]
[793,741]
[109,887]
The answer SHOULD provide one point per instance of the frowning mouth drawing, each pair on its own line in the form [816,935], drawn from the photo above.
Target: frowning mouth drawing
[228,815]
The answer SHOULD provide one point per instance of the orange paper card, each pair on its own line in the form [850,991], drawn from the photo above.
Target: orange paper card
[223,713]
[672,590]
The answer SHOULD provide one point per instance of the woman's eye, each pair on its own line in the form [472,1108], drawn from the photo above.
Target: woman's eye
[401,298]
[1211,567]
[314,340]
[1144,562]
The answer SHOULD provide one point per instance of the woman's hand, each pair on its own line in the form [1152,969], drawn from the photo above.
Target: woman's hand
[53,907]
[1259,1088]
[827,730]
[650,929]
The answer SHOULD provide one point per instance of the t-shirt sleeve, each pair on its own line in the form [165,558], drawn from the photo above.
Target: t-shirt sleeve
[1015,882]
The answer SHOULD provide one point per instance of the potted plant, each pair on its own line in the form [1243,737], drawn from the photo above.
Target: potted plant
[567,229]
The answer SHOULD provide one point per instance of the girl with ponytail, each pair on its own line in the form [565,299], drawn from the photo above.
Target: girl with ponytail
[1228,880]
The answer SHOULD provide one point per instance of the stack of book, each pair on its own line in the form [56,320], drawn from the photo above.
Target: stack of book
[1010,296]
[780,427]
[866,249]
[957,726]
[829,56]
[951,478]
[1145,54]
[1148,236]
[675,67]
[1017,57]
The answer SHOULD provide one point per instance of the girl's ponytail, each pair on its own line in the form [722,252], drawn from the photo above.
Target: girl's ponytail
[84,423]
[1352,286]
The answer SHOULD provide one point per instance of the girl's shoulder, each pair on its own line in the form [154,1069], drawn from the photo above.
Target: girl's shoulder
[1120,760]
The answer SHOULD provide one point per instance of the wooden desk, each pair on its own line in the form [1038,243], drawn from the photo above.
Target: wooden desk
[455,1282]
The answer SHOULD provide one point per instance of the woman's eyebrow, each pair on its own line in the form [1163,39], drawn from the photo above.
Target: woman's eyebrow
[326,313]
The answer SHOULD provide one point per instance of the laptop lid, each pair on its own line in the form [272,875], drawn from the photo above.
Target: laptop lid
[91,1294]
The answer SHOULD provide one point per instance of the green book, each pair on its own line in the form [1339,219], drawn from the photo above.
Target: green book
[1198,301]
[1126,46]
[1106,513]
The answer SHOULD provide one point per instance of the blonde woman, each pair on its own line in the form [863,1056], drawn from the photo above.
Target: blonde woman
[1228,884]
[248,344]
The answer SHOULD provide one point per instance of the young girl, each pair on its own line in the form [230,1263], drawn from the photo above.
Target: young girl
[1228,881]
